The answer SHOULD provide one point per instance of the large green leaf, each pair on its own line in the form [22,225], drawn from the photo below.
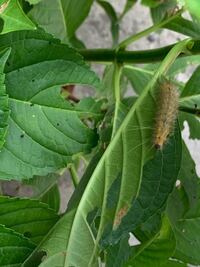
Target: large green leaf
[156,251]
[61,17]
[159,176]
[14,17]
[129,150]
[14,248]
[29,217]
[45,129]
[4,109]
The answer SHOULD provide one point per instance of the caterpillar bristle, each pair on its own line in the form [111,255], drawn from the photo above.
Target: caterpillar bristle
[167,110]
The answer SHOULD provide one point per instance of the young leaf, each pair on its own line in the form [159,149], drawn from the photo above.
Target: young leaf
[162,11]
[61,17]
[47,129]
[156,251]
[28,217]
[15,248]
[4,109]
[14,17]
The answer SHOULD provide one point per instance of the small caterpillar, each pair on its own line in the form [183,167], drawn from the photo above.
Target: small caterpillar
[168,102]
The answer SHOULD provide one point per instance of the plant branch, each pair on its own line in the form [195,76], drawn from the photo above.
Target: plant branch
[134,57]
[74,175]
[193,111]
[147,31]
[117,94]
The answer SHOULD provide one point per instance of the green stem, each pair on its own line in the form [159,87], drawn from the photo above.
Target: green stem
[193,111]
[117,93]
[146,32]
[135,57]
[74,175]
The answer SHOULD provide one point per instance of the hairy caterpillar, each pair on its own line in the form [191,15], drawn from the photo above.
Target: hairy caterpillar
[168,101]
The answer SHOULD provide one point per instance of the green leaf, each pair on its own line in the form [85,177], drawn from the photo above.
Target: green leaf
[162,11]
[58,235]
[193,123]
[151,3]
[138,77]
[110,11]
[131,141]
[61,17]
[172,263]
[184,26]
[159,176]
[14,17]
[41,120]
[4,108]
[186,230]
[33,2]
[15,248]
[156,251]
[28,217]
[184,212]
[45,189]
[193,7]
[190,97]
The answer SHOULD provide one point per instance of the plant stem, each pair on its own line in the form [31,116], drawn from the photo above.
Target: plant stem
[117,93]
[146,32]
[193,111]
[135,57]
[74,175]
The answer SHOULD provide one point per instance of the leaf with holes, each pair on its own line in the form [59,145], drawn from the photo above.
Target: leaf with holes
[45,129]
[124,158]
[155,251]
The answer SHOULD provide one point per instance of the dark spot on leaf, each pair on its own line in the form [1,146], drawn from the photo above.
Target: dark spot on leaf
[31,105]
[22,136]
[195,105]
[33,80]
[8,63]
[58,124]
[28,234]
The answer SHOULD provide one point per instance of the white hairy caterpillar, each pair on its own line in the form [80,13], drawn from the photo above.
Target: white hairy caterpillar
[166,97]
[167,110]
